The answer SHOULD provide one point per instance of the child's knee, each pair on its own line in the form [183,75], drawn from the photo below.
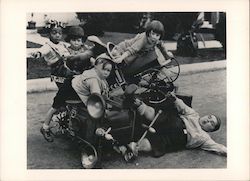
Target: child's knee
[145,145]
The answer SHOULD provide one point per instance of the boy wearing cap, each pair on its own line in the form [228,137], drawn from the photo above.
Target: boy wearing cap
[80,87]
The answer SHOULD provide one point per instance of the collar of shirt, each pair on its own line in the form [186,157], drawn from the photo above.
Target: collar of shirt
[196,136]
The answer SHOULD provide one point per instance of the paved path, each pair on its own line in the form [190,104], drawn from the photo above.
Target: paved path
[45,84]
[209,96]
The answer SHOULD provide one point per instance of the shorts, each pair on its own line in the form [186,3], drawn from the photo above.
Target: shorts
[65,92]
[170,135]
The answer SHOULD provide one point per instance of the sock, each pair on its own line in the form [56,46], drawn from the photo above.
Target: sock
[142,108]
[45,126]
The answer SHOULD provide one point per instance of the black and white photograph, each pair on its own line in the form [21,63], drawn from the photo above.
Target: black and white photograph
[126,90]
[125,93]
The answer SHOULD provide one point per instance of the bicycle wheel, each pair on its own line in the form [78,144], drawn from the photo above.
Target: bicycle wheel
[170,71]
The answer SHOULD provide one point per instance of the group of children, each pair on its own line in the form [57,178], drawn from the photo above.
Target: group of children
[57,52]
[82,78]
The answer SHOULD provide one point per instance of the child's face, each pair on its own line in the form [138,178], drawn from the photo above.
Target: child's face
[153,37]
[76,43]
[56,35]
[208,122]
[104,69]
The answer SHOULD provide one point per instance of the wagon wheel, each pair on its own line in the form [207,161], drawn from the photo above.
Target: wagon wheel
[58,123]
[55,128]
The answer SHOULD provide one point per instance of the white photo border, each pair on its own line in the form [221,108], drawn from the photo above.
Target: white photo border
[13,134]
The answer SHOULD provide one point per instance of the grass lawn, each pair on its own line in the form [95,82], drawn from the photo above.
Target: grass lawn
[39,69]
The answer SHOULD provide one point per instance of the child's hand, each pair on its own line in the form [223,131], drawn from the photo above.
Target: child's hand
[137,102]
[115,53]
[118,60]
[35,55]
[170,54]
[171,96]
[143,83]
[67,57]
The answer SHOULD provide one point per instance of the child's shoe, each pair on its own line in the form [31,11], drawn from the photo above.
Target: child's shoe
[129,152]
[134,148]
[46,134]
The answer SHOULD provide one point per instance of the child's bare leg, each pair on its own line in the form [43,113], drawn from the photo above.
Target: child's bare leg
[45,128]
[144,145]
[48,117]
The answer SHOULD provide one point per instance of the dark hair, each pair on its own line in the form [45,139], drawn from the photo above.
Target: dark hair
[55,27]
[76,32]
[217,126]
[155,26]
[72,37]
